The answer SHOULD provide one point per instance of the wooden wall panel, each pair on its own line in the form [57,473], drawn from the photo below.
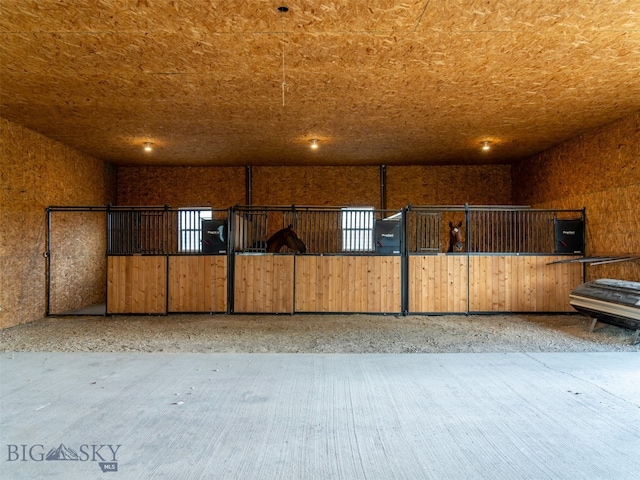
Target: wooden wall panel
[197,283]
[136,284]
[78,244]
[448,185]
[36,172]
[600,171]
[317,185]
[437,283]
[263,284]
[524,283]
[348,284]
[219,187]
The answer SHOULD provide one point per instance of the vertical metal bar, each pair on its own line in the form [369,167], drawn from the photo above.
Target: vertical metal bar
[48,265]
[123,237]
[505,231]
[484,222]
[511,225]
[248,185]
[108,227]
[496,231]
[502,234]
[498,234]
[116,233]
[156,233]
[497,237]
[470,227]
[143,231]
[526,239]
[467,228]
[164,231]
[538,232]
[124,232]
[404,265]
[231,258]
[383,187]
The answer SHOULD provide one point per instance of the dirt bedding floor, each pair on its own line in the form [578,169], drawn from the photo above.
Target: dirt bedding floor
[317,334]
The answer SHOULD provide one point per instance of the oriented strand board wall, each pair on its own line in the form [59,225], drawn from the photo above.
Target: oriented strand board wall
[219,187]
[599,170]
[448,185]
[323,186]
[78,243]
[36,172]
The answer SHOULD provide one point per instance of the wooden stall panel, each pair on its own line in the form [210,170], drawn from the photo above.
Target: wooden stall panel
[348,284]
[524,283]
[198,283]
[136,284]
[263,284]
[438,284]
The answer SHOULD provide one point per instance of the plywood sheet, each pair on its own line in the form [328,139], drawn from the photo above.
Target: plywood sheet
[377,82]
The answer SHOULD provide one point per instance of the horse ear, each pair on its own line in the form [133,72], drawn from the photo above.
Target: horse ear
[451,224]
[290,227]
[460,224]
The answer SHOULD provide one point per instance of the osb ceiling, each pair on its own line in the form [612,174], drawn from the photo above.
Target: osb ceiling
[376,82]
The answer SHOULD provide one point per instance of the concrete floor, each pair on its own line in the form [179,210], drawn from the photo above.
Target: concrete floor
[313,416]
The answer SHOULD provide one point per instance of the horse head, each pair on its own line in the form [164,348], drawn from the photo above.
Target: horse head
[287,236]
[455,237]
[293,241]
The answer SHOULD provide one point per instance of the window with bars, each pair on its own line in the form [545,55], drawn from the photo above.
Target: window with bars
[190,228]
[357,229]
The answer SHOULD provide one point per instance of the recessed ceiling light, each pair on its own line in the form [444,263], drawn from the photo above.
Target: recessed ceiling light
[314,143]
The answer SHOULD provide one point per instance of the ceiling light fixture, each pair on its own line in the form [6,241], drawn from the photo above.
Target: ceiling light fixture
[485,145]
[148,146]
[314,143]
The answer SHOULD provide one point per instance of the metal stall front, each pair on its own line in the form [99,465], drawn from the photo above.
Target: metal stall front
[505,264]
[351,261]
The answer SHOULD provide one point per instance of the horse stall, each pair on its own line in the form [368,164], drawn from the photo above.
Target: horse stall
[492,259]
[316,260]
[419,260]
[162,260]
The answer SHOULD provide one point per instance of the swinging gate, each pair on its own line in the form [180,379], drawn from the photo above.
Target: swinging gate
[160,260]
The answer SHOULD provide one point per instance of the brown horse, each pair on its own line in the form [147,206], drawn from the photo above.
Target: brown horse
[287,236]
[455,238]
